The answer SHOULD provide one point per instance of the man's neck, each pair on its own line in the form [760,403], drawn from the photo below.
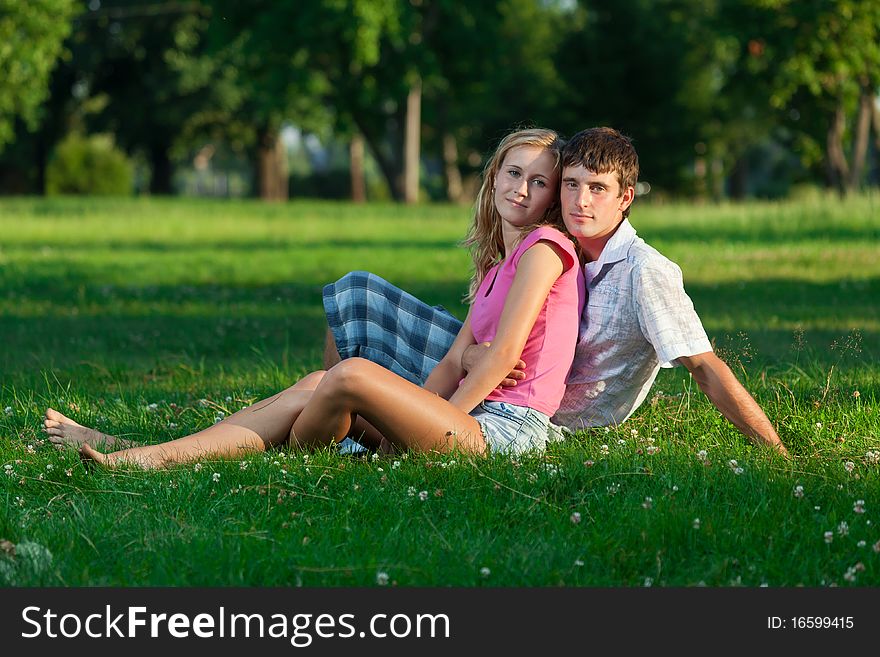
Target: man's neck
[593,248]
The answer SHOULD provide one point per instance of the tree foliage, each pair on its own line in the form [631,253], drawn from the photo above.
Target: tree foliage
[31,41]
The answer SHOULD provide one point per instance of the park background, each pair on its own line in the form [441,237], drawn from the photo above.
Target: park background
[180,179]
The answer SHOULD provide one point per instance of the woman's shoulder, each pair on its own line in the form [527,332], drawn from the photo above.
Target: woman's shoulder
[548,234]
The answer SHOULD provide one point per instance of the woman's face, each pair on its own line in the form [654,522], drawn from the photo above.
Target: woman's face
[526,184]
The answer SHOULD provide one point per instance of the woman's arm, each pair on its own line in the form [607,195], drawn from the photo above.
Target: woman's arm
[444,378]
[537,271]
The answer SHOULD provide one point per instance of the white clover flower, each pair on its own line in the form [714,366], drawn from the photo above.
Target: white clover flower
[382,578]
[31,450]
[843,528]
[197,467]
[674,488]
[395,465]
[648,582]
[818,425]
[228,398]
[829,536]
[216,476]
[589,463]
[861,543]
[49,466]
[575,518]
[798,491]
[875,547]
[872,457]
[607,429]
[648,503]
[8,410]
[172,425]
[651,449]
[69,472]
[578,562]
[603,449]
[850,575]
[696,523]
[423,495]
[849,466]
[411,491]
[613,489]
[634,432]
[732,463]
[702,454]
[243,465]
[485,572]
[218,418]
[859,506]
[152,407]
[621,441]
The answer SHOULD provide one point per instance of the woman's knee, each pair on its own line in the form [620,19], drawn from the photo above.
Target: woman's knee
[346,379]
[308,382]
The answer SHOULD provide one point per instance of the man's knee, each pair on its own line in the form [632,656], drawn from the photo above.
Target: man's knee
[331,353]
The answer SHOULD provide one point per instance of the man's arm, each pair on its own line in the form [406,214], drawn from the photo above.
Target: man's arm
[714,378]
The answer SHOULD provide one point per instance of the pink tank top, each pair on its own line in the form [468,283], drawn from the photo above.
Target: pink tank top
[549,349]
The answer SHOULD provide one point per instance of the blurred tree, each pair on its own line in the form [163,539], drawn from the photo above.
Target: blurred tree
[31,41]
[631,65]
[142,64]
[304,62]
[490,68]
[817,66]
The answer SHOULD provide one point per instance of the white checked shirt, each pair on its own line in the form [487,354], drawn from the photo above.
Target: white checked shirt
[638,319]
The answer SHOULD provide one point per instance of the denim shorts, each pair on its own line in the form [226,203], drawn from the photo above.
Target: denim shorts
[511,429]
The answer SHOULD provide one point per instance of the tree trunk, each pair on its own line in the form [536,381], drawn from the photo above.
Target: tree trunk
[272,166]
[838,168]
[860,139]
[160,168]
[358,181]
[388,166]
[412,140]
[739,179]
[454,187]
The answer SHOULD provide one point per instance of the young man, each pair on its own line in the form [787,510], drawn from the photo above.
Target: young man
[638,317]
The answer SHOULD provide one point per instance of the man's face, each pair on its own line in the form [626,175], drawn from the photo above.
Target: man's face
[592,206]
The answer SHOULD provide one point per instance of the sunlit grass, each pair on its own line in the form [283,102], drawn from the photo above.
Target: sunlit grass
[148,318]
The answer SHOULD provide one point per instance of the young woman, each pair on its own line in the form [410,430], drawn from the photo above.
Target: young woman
[526,297]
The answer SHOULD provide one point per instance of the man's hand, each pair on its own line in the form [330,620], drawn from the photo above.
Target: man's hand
[474,353]
[714,378]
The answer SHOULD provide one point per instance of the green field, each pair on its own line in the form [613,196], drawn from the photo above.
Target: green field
[149,318]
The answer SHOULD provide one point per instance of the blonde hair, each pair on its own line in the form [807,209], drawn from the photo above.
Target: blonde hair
[484,237]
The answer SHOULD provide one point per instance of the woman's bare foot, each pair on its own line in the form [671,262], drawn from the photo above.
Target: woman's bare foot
[64,431]
[90,454]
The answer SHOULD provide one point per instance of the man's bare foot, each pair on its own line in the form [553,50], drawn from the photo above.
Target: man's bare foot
[64,431]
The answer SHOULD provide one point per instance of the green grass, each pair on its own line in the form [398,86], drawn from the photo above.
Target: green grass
[198,307]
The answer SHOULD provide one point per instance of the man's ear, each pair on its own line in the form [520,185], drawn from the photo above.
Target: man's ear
[626,199]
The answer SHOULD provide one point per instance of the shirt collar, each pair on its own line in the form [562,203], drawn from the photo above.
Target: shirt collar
[616,249]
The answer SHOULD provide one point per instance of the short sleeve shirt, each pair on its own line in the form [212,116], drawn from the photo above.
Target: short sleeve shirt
[637,319]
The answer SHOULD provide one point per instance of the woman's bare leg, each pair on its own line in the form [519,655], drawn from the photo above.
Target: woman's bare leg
[252,429]
[408,416]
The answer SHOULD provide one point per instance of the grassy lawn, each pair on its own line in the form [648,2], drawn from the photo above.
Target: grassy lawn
[151,318]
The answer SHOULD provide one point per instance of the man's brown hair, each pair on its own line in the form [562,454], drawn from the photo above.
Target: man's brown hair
[604,150]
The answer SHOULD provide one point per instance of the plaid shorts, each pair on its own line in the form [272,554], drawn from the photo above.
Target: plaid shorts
[372,319]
